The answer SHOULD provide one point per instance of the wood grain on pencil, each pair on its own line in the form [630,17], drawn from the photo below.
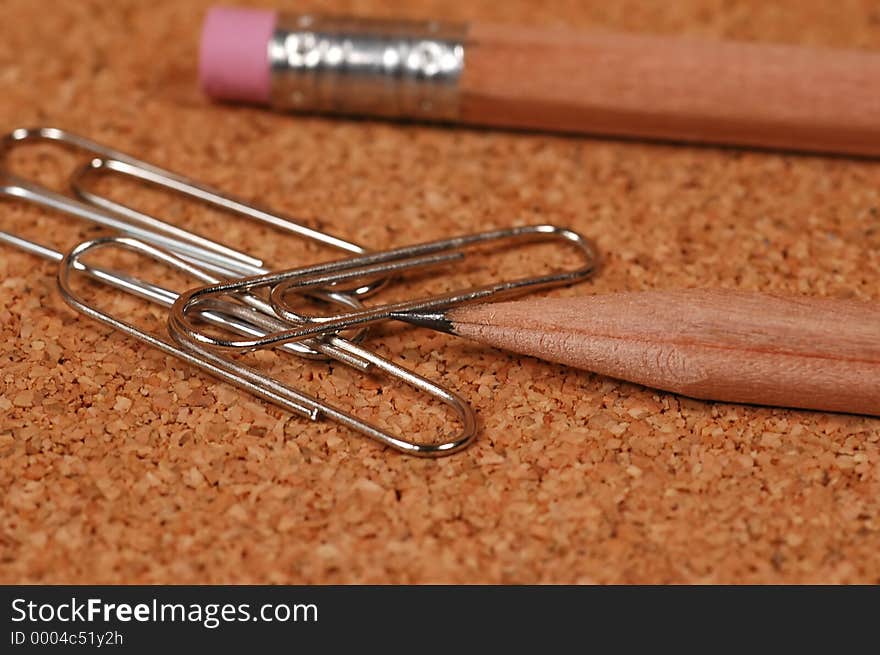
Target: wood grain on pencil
[673,88]
[720,345]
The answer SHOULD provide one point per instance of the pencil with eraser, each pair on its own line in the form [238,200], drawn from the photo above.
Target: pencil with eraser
[630,85]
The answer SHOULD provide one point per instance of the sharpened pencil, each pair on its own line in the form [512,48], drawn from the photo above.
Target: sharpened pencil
[811,353]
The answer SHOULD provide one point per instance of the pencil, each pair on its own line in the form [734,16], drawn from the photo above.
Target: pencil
[631,85]
[810,353]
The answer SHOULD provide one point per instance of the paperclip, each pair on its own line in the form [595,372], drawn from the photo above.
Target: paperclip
[243,320]
[258,383]
[385,262]
[208,254]
[223,260]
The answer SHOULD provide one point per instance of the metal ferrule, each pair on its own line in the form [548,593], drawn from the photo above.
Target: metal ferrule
[402,69]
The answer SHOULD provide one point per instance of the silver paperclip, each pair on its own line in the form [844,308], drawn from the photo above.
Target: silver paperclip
[258,383]
[242,320]
[382,263]
[208,254]
[225,261]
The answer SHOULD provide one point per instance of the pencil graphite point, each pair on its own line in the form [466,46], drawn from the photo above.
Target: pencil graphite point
[433,320]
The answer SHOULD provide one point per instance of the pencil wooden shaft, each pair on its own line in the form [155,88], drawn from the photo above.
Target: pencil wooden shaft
[720,345]
[673,88]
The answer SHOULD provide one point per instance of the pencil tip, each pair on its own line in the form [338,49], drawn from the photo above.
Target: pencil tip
[433,320]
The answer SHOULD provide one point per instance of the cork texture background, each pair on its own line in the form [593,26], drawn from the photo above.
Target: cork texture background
[121,465]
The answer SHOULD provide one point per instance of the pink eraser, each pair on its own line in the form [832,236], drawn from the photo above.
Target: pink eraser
[234,53]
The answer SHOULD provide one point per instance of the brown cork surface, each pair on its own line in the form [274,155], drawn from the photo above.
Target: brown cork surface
[120,465]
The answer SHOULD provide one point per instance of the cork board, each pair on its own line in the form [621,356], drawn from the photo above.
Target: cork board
[120,465]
